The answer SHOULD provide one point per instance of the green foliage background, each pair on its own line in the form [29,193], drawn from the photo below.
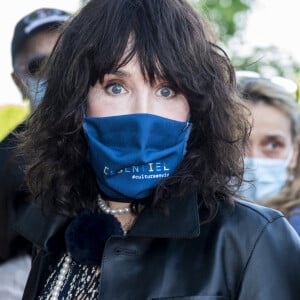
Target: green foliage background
[229,18]
[225,15]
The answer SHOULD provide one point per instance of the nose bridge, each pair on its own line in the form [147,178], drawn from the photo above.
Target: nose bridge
[254,150]
[141,102]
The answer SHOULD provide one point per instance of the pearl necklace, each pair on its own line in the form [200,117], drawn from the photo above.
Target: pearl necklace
[68,259]
[105,208]
[61,277]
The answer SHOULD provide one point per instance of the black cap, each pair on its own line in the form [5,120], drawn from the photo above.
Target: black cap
[34,21]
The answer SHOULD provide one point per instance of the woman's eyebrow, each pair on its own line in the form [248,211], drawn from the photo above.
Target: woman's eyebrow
[281,136]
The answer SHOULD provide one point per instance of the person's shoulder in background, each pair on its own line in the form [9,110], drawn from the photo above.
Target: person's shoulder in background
[13,276]
[294,219]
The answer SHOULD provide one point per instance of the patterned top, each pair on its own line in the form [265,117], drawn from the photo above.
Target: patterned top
[81,282]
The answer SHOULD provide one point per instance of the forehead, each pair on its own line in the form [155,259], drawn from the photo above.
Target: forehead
[268,119]
[38,44]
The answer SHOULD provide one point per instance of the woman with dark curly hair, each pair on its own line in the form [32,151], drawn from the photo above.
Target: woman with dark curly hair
[134,158]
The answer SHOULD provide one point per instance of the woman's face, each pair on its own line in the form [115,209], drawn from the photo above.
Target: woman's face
[126,92]
[271,134]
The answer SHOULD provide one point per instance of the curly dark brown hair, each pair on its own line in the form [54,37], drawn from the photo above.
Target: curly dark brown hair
[171,42]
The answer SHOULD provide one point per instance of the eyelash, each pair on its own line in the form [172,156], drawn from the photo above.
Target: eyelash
[168,86]
[278,145]
[161,86]
[112,83]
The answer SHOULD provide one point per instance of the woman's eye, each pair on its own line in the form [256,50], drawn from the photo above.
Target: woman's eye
[115,89]
[272,145]
[275,147]
[165,92]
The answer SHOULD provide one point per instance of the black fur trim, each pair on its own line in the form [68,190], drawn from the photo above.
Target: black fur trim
[87,234]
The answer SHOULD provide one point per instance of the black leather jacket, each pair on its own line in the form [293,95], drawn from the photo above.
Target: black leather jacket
[13,198]
[247,252]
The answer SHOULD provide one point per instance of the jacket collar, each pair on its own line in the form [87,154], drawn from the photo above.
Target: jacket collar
[46,230]
[182,221]
[43,229]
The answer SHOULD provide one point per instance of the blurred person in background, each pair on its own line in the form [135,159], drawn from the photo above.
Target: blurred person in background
[272,164]
[33,40]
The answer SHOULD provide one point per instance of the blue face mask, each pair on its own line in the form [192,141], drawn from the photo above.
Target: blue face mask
[266,177]
[131,154]
[37,88]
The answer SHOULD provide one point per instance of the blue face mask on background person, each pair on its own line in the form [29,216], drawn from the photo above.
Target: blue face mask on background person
[131,154]
[37,89]
[265,177]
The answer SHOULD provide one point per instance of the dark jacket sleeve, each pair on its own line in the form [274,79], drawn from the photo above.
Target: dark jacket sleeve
[273,269]
[13,199]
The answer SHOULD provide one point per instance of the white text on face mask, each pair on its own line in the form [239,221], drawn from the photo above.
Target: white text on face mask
[156,167]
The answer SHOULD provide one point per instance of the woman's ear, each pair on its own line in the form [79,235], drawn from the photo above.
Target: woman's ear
[293,163]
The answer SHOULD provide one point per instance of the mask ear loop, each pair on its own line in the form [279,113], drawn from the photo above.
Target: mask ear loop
[84,109]
[188,123]
[291,175]
[289,157]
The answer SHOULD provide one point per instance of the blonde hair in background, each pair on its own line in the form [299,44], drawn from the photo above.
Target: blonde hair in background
[257,89]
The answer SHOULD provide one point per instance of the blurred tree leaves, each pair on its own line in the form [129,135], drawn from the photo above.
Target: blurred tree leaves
[226,15]
[269,61]
[229,18]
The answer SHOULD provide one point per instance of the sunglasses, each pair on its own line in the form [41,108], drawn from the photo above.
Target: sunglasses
[35,65]
[287,84]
